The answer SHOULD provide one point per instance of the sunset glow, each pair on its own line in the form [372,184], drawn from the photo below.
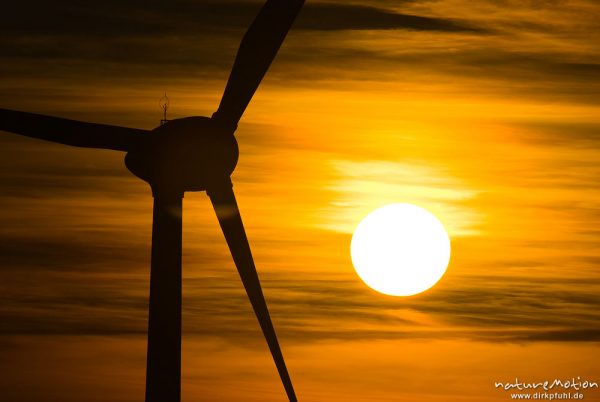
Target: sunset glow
[484,113]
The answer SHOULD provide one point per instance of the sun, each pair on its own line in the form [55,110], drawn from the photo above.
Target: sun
[400,250]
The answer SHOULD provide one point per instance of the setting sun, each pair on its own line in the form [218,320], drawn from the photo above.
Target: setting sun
[400,250]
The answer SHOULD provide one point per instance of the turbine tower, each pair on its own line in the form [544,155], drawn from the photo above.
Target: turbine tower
[188,154]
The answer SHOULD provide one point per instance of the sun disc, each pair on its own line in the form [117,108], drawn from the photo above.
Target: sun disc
[400,250]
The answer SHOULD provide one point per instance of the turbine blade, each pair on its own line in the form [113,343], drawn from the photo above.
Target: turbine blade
[257,50]
[225,205]
[70,132]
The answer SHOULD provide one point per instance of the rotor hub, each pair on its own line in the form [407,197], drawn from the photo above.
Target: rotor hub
[190,154]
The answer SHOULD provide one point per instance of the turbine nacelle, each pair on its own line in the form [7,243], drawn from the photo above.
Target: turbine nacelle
[189,154]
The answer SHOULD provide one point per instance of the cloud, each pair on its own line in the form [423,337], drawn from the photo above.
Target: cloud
[563,135]
[562,335]
[190,40]
[310,309]
[180,38]
[329,17]
[87,252]
[156,18]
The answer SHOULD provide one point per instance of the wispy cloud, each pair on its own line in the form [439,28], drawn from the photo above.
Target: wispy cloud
[487,308]
[156,18]
[365,185]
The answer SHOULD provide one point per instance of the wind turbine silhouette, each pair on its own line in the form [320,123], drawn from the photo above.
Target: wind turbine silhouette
[188,154]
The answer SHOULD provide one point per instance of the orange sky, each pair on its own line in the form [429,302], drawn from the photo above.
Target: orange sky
[485,113]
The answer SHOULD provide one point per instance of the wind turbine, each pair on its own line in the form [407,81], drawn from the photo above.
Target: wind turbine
[188,154]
